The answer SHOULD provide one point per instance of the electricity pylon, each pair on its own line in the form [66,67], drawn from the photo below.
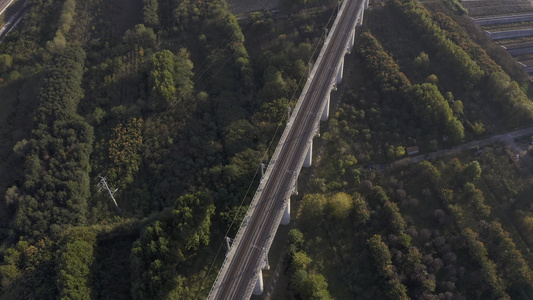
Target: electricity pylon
[103,185]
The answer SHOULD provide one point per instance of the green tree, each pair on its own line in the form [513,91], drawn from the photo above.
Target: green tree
[381,255]
[434,111]
[433,79]
[377,195]
[56,188]
[27,270]
[124,151]
[191,221]
[6,62]
[150,16]
[165,244]
[74,264]
[471,172]
[312,210]
[273,111]
[516,269]
[275,86]
[393,217]
[394,289]
[153,260]
[362,214]
[429,173]
[478,128]
[302,52]
[475,196]
[399,151]
[382,65]
[315,287]
[170,77]
[340,206]
[239,135]
[141,36]
[421,61]
[457,107]
[234,215]
[296,237]
[300,261]
[488,269]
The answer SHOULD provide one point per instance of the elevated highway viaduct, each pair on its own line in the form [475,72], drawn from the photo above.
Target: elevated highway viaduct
[241,272]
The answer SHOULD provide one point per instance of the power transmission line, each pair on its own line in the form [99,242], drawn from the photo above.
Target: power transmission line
[103,185]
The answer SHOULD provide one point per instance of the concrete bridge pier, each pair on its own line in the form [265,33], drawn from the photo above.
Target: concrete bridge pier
[309,157]
[360,16]
[366,4]
[258,288]
[352,41]
[325,112]
[286,219]
[341,69]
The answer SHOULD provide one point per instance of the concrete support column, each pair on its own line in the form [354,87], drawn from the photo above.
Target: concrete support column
[352,41]
[341,69]
[360,16]
[309,156]
[258,288]
[325,112]
[286,219]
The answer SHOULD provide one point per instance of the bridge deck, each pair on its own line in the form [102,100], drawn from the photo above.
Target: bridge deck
[247,255]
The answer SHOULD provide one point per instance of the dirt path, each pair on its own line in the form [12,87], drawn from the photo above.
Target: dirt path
[506,138]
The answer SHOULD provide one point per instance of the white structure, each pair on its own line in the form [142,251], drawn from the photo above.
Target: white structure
[241,272]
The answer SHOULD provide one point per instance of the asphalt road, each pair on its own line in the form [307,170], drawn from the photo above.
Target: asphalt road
[247,257]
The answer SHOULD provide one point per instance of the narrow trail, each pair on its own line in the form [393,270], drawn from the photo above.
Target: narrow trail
[506,138]
[13,21]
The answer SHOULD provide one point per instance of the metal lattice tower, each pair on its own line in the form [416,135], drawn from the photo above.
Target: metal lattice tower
[103,185]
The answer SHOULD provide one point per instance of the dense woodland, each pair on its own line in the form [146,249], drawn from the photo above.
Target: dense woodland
[372,225]
[176,104]
[163,100]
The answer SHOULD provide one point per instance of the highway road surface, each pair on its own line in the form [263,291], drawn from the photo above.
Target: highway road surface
[246,262]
